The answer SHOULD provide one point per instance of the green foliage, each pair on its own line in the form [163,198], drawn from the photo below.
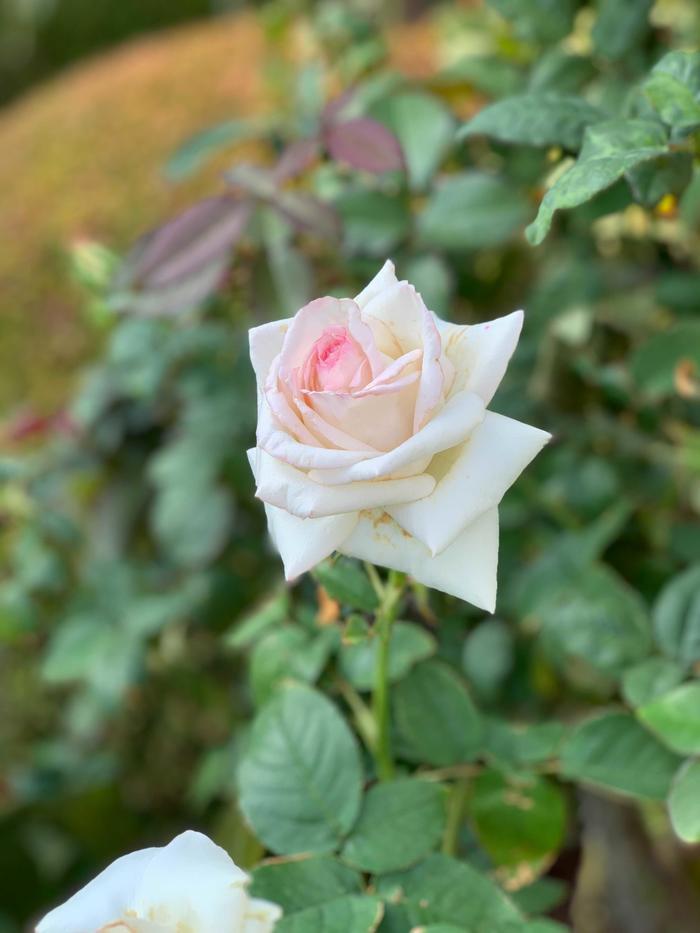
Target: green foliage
[430,694]
[517,820]
[675,718]
[611,750]
[157,672]
[472,210]
[300,780]
[535,119]
[684,802]
[400,822]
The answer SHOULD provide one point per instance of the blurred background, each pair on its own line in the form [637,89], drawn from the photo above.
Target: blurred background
[132,552]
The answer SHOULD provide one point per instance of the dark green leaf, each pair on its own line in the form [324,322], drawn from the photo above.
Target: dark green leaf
[514,746]
[675,718]
[423,126]
[653,180]
[598,618]
[490,74]
[288,651]
[676,617]
[612,750]
[488,657]
[435,715]
[399,823]
[517,819]
[350,914]
[470,211]
[610,149]
[300,780]
[538,20]
[373,222]
[559,71]
[300,882]
[649,679]
[620,26]
[432,278]
[250,628]
[684,802]
[535,119]
[443,890]
[674,89]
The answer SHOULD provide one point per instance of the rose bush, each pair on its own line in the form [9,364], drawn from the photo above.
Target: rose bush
[374,437]
[190,884]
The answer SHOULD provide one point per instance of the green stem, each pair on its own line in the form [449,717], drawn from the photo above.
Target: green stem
[455,809]
[384,619]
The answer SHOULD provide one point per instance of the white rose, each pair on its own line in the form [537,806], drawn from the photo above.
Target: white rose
[188,886]
[374,438]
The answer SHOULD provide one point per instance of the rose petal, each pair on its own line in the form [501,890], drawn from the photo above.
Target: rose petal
[308,325]
[386,380]
[466,569]
[362,333]
[103,900]
[450,426]
[283,486]
[192,881]
[381,421]
[261,916]
[402,310]
[480,352]
[303,542]
[283,412]
[385,278]
[328,432]
[471,479]
[265,344]
[280,444]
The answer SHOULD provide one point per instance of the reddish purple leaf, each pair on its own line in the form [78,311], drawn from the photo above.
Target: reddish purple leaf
[177,266]
[183,246]
[295,159]
[364,144]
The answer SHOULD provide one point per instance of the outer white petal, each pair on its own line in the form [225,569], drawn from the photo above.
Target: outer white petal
[303,542]
[290,489]
[261,916]
[103,900]
[451,425]
[265,344]
[192,881]
[385,278]
[471,479]
[467,568]
[480,352]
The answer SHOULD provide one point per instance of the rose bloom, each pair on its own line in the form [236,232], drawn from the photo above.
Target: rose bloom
[374,437]
[189,886]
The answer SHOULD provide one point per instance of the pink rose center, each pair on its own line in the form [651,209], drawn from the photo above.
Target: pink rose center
[336,363]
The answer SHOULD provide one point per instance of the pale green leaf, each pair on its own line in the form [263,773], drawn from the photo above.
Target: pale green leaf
[300,779]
